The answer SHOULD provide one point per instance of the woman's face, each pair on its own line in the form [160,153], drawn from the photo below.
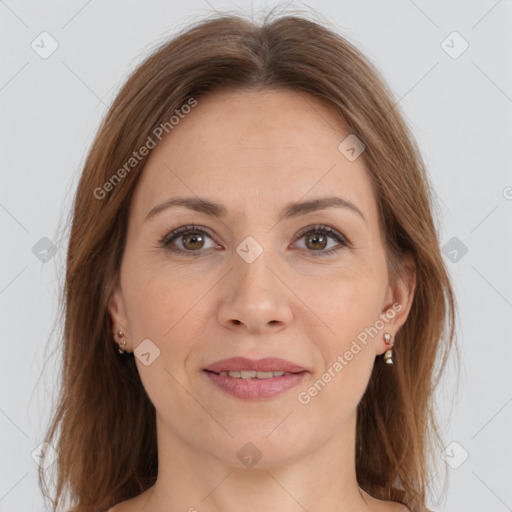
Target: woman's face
[261,279]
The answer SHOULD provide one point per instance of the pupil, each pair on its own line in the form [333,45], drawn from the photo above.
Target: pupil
[312,240]
[194,239]
[315,239]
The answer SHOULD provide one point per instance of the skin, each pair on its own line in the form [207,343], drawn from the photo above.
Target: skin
[255,152]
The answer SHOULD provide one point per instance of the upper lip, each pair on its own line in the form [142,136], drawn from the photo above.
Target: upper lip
[267,364]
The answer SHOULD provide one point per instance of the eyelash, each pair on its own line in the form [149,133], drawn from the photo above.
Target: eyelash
[166,241]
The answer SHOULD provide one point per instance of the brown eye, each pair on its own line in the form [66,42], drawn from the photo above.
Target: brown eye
[316,241]
[192,241]
[187,240]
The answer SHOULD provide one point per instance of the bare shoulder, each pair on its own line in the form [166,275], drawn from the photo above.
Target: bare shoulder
[124,506]
[130,505]
[121,507]
[388,506]
[393,506]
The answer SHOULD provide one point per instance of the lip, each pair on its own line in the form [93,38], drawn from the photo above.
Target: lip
[267,364]
[255,389]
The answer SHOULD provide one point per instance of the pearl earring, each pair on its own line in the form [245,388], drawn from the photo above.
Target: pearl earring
[122,345]
[388,356]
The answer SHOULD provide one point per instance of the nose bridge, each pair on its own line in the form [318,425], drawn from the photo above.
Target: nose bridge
[255,296]
[252,276]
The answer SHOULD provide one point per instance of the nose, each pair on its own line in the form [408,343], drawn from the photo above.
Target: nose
[256,298]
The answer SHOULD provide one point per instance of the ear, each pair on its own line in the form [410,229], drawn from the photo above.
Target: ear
[117,311]
[398,301]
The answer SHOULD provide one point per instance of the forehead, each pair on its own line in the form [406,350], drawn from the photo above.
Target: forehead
[266,147]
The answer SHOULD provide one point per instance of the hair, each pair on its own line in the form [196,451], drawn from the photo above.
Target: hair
[107,441]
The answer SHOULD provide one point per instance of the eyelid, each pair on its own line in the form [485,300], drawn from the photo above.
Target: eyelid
[334,233]
[166,241]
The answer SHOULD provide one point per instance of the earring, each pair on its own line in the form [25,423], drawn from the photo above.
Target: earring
[122,345]
[388,355]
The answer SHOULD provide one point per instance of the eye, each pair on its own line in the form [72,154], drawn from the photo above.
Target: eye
[317,239]
[191,239]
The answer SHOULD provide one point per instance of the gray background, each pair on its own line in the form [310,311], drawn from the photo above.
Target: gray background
[458,108]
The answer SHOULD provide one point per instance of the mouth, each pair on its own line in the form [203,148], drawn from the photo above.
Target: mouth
[260,366]
[251,374]
[255,379]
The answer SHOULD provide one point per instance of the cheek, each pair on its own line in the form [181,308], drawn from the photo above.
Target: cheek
[164,306]
[160,298]
[347,305]
[349,309]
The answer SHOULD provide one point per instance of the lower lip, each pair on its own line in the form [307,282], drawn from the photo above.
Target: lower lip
[254,389]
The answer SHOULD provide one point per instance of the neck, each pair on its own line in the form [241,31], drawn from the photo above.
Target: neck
[192,479]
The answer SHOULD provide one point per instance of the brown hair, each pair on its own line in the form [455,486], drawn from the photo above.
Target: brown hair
[106,422]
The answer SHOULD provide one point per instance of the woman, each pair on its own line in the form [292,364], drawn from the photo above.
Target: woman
[255,298]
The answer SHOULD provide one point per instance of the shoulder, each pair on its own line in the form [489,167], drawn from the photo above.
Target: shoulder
[117,508]
[130,505]
[379,505]
[120,507]
[388,506]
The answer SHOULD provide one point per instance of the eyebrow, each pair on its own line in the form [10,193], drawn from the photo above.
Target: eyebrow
[290,210]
